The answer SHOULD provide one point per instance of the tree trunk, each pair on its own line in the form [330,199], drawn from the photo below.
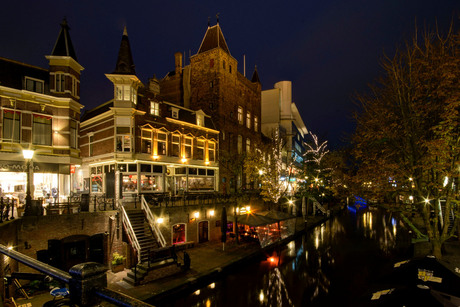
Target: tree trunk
[436,249]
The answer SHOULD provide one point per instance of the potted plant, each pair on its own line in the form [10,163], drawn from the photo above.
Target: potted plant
[118,262]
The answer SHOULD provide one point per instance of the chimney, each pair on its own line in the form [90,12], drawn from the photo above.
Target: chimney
[178,60]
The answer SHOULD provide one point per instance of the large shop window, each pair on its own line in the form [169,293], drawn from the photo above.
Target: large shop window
[11,125]
[200,179]
[41,130]
[178,233]
[96,179]
[129,183]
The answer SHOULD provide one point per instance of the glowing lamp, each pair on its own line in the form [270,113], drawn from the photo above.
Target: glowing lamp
[160,220]
[28,154]
[196,214]
[211,213]
[183,160]
[155,157]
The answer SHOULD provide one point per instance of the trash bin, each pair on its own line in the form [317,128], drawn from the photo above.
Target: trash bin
[84,204]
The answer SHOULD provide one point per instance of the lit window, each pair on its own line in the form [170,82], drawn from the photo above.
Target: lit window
[248,120]
[200,120]
[188,142]
[146,141]
[240,115]
[248,145]
[211,151]
[200,149]
[154,108]
[59,84]
[256,123]
[161,143]
[123,139]
[175,144]
[125,93]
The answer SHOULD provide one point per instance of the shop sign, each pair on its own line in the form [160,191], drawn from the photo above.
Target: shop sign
[72,169]
[9,166]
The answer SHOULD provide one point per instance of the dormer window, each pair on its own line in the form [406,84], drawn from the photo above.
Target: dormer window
[154,108]
[200,120]
[34,85]
[175,113]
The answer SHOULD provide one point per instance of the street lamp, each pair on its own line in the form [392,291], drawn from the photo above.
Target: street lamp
[28,154]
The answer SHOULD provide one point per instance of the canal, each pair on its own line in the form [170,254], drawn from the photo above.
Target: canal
[334,264]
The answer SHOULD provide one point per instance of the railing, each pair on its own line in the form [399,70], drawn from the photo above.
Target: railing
[151,220]
[193,198]
[85,281]
[130,232]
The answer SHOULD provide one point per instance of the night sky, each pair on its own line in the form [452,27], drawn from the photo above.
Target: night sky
[328,49]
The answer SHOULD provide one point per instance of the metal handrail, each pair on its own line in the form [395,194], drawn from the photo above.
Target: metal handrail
[37,265]
[151,221]
[131,234]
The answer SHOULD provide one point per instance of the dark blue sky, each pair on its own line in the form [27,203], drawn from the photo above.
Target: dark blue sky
[329,49]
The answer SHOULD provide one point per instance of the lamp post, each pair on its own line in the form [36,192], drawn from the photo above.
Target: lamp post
[28,154]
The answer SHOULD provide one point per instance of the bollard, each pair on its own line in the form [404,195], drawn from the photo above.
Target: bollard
[86,277]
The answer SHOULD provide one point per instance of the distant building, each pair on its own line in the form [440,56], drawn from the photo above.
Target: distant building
[279,112]
[213,84]
[140,143]
[40,111]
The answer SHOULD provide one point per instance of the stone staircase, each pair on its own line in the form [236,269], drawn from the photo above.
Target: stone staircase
[146,272]
[143,233]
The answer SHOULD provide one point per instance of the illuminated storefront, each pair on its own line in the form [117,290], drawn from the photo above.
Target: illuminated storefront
[50,181]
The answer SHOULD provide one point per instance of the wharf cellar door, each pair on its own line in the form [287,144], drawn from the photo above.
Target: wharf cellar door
[203,232]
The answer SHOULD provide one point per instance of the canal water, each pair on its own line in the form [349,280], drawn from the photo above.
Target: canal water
[334,264]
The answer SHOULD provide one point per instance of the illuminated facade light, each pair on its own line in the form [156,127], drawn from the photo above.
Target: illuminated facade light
[155,157]
[211,212]
[197,292]
[261,296]
[212,286]
[261,172]
[160,220]
[183,160]
[196,214]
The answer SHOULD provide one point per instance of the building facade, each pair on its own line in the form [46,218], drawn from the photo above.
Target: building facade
[40,111]
[213,84]
[139,143]
[280,112]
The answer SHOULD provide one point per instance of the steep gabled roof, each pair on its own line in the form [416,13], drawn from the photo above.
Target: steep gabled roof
[125,63]
[255,76]
[214,38]
[63,45]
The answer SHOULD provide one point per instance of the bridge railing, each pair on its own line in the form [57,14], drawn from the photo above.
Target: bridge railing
[87,282]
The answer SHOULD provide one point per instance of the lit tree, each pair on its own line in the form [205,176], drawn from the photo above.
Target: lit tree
[407,137]
[263,165]
[315,170]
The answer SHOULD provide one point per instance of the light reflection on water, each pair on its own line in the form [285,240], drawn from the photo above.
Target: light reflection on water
[331,265]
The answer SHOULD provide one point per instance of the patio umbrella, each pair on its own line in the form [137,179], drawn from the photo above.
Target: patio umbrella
[223,225]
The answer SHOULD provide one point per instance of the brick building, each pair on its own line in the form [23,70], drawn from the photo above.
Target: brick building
[140,143]
[40,111]
[212,83]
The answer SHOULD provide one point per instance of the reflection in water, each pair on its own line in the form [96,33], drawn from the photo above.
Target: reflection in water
[332,265]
